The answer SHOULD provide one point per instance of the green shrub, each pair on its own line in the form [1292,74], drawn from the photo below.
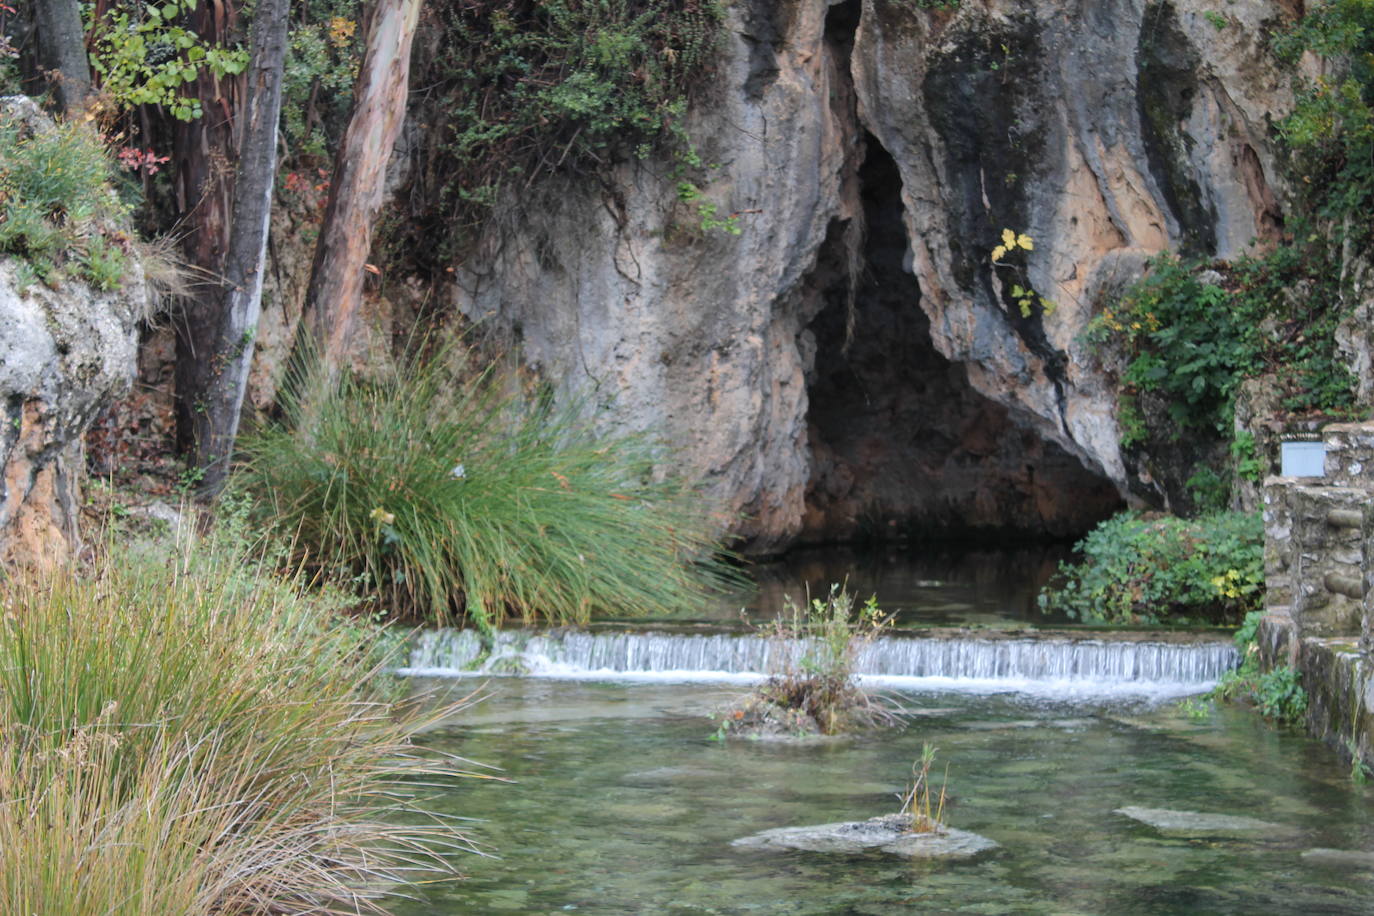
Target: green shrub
[1276,693]
[1329,135]
[522,89]
[183,733]
[1137,569]
[57,209]
[317,81]
[141,56]
[446,496]
[1183,339]
[1192,340]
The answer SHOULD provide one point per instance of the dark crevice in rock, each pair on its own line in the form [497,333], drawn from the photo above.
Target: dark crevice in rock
[1167,66]
[986,97]
[903,447]
[763,28]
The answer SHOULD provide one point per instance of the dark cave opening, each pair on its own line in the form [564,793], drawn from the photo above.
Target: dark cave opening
[903,448]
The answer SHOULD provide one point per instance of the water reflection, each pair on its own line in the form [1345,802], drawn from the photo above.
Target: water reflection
[921,585]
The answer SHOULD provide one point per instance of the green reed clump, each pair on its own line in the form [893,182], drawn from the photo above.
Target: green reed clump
[57,208]
[184,733]
[924,816]
[450,494]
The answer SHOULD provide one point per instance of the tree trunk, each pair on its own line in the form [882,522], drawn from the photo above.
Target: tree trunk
[62,52]
[203,151]
[238,298]
[355,192]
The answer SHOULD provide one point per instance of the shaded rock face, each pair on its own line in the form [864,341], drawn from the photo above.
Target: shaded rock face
[64,355]
[902,446]
[853,362]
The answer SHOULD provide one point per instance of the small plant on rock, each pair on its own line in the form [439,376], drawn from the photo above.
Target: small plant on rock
[812,689]
[923,816]
[1276,693]
[58,213]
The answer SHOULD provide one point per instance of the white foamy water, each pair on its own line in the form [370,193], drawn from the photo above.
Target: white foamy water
[1044,665]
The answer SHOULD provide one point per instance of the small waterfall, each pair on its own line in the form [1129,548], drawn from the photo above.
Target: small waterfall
[1007,662]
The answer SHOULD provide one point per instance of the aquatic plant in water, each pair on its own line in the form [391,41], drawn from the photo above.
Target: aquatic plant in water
[916,803]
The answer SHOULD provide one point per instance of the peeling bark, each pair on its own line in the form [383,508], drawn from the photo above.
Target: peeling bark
[355,193]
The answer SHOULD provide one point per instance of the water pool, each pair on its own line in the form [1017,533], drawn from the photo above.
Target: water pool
[621,804]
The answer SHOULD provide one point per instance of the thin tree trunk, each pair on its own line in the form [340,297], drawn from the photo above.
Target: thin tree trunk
[240,292]
[355,192]
[204,151]
[62,52]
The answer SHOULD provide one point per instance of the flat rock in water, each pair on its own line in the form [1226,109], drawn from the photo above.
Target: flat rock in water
[1201,823]
[886,832]
[1348,858]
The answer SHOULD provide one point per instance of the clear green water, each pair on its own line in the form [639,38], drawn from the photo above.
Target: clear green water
[621,805]
[922,587]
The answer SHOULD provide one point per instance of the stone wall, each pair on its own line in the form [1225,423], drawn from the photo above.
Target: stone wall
[1319,577]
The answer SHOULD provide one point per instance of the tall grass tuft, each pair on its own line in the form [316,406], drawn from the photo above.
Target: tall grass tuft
[923,816]
[185,734]
[470,497]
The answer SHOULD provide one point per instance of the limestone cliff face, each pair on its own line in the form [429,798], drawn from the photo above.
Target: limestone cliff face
[64,355]
[852,362]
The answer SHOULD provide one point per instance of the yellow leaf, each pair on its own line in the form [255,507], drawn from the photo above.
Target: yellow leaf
[999,252]
[1025,242]
[1008,238]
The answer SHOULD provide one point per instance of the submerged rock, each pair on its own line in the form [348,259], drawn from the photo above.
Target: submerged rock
[886,832]
[1346,858]
[1201,823]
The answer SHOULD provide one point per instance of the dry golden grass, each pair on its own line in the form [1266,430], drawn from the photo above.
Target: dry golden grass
[181,732]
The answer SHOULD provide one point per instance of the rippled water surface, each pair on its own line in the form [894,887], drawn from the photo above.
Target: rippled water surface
[620,804]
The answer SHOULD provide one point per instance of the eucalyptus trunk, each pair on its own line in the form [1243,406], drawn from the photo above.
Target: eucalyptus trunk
[355,192]
[203,184]
[234,302]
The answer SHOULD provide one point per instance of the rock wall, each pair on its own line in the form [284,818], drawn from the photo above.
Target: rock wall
[65,353]
[874,150]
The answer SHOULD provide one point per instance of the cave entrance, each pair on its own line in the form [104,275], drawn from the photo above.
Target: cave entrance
[903,447]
